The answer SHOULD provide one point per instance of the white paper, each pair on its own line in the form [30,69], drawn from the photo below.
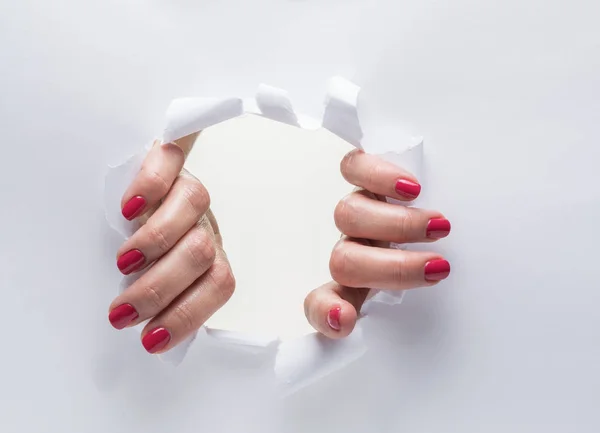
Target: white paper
[297,362]
[275,104]
[188,115]
[302,361]
[341,111]
[510,120]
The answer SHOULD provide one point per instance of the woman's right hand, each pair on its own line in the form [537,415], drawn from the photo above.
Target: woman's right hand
[362,260]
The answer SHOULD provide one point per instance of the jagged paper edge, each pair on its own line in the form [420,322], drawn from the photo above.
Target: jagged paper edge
[302,361]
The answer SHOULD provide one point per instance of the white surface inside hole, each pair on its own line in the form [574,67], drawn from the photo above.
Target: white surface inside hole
[260,174]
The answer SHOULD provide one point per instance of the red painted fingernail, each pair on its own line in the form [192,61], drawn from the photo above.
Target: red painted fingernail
[436,270]
[408,188]
[156,339]
[333,318]
[130,261]
[133,207]
[122,316]
[438,228]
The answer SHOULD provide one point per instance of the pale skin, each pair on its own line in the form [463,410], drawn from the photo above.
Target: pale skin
[191,277]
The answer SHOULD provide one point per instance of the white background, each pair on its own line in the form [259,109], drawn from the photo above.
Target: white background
[274,190]
[507,96]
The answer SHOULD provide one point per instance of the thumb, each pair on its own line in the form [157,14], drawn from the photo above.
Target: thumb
[332,309]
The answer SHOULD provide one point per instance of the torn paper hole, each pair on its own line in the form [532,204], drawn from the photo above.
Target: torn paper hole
[298,362]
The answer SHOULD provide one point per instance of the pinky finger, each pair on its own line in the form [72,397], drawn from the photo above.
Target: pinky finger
[333,309]
[188,312]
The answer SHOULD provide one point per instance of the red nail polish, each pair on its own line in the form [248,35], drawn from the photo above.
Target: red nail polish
[438,228]
[333,318]
[408,188]
[122,316]
[130,261]
[133,207]
[156,340]
[436,270]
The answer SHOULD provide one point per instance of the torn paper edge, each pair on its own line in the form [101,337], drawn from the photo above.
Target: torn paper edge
[301,361]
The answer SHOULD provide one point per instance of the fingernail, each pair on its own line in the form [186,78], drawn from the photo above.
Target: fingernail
[333,318]
[436,270]
[156,339]
[438,228]
[408,188]
[130,261]
[122,316]
[133,207]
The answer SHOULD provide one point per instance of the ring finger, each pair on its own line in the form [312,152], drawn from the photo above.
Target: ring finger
[190,258]
[354,264]
[359,216]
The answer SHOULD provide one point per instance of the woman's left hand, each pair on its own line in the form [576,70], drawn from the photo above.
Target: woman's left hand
[362,259]
[188,275]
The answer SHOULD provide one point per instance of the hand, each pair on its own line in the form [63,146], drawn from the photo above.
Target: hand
[362,259]
[190,278]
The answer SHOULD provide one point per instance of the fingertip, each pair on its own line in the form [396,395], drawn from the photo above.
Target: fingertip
[438,228]
[407,189]
[341,320]
[156,340]
[329,313]
[436,270]
[133,207]
[333,318]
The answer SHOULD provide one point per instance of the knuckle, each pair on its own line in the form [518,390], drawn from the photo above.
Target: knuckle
[309,301]
[201,248]
[196,196]
[374,173]
[153,295]
[224,281]
[158,238]
[156,182]
[347,163]
[400,273]
[338,263]
[227,283]
[315,306]
[405,225]
[185,316]
[345,214]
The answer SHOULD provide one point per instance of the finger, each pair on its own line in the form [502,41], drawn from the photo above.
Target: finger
[183,207]
[356,265]
[359,216]
[190,258]
[188,312]
[333,309]
[158,172]
[378,176]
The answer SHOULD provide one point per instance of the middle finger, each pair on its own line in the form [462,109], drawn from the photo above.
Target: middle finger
[184,205]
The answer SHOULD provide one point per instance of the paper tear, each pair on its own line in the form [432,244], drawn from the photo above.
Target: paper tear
[302,361]
[275,104]
[305,360]
[341,111]
[186,116]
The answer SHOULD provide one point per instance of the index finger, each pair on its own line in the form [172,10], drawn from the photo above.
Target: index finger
[159,170]
[379,176]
